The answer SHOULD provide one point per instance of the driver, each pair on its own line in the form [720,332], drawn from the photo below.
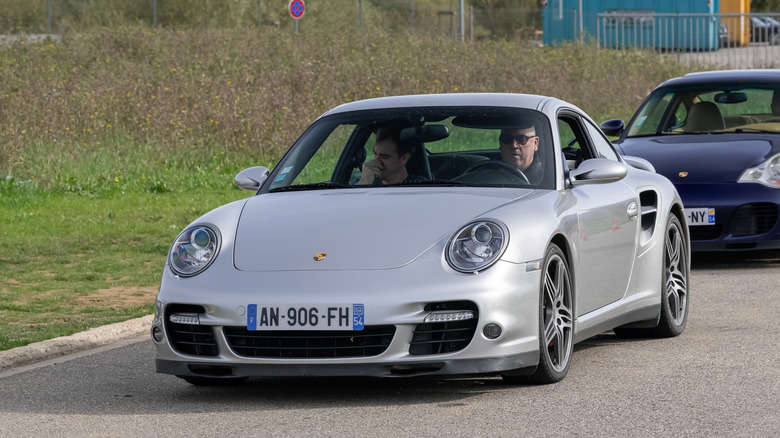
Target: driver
[518,147]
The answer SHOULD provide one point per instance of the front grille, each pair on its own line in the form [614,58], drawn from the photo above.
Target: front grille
[442,337]
[197,340]
[371,341]
[705,232]
[753,219]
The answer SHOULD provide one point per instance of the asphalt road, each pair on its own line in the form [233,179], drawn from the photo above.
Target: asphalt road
[720,378]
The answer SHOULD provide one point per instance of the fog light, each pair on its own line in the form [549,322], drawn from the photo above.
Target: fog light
[492,331]
[185,318]
[448,316]
[157,334]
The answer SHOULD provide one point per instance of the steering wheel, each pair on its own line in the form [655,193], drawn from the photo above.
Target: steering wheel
[499,165]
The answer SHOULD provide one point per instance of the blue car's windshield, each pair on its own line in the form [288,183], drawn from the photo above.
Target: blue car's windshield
[711,110]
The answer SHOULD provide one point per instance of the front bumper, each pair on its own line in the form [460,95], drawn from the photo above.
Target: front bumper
[506,295]
[746,216]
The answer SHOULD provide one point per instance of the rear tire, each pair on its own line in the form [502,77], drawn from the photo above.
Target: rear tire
[676,272]
[674,294]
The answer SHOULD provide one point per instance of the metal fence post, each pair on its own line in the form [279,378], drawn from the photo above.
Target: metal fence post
[462,22]
[471,23]
[259,17]
[360,13]
[154,13]
[411,14]
[48,16]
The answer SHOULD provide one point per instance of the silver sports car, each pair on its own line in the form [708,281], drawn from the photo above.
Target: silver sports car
[430,234]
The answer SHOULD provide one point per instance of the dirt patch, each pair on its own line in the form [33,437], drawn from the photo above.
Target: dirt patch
[119,296]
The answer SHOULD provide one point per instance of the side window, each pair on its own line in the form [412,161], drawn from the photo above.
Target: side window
[603,147]
[573,144]
[680,115]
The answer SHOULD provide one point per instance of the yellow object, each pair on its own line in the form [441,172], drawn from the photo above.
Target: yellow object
[738,26]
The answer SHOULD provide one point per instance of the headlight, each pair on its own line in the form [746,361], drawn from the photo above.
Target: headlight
[477,246]
[193,251]
[766,173]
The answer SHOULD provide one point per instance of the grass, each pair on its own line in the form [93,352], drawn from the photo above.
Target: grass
[69,262]
[112,141]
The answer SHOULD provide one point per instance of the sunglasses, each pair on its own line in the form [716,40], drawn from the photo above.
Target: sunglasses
[509,138]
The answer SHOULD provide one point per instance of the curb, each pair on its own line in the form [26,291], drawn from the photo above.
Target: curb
[94,337]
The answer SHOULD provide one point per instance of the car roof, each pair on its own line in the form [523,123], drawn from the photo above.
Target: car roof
[767,76]
[454,99]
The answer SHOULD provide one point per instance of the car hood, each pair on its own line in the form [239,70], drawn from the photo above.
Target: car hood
[378,228]
[701,157]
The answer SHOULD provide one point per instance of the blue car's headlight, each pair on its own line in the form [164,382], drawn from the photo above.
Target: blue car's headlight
[193,251]
[477,246]
[766,173]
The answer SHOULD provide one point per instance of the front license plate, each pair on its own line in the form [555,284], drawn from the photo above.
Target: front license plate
[305,317]
[700,216]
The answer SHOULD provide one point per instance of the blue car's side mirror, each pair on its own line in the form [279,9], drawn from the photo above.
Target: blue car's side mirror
[613,128]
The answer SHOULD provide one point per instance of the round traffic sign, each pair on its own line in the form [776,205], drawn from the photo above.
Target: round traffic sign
[296,8]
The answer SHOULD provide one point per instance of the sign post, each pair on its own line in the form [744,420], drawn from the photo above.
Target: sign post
[296,8]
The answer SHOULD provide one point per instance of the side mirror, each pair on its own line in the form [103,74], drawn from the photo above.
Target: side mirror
[251,179]
[598,171]
[613,127]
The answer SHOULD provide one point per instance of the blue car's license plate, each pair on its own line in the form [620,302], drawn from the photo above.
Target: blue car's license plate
[305,317]
[700,216]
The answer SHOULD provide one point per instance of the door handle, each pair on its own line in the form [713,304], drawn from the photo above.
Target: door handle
[633,211]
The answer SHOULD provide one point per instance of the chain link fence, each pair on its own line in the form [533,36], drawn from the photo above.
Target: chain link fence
[454,18]
[723,40]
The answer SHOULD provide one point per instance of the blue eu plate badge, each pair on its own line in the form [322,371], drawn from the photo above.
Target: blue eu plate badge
[358,321]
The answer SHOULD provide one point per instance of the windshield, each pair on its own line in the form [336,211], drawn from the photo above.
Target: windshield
[421,147]
[716,109]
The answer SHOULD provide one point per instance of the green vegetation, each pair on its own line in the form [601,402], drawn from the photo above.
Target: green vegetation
[112,140]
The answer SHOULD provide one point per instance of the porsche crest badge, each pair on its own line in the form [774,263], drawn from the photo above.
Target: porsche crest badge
[682,174]
[320,256]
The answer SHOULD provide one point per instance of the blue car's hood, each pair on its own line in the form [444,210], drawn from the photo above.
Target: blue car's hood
[701,157]
[377,228]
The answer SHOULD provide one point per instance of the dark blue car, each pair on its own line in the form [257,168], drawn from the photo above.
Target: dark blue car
[716,136]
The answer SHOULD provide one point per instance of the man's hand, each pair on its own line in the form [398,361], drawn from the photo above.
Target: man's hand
[371,171]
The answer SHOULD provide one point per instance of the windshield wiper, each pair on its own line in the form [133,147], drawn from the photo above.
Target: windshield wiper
[313,186]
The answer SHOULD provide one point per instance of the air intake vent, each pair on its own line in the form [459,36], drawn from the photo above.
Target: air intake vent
[444,337]
[371,341]
[706,232]
[197,340]
[753,219]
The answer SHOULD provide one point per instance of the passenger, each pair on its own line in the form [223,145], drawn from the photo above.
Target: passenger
[389,163]
[518,147]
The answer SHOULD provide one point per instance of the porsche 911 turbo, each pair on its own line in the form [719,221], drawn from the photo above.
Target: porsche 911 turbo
[427,235]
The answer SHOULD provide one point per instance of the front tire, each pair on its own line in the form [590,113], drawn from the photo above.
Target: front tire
[556,322]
